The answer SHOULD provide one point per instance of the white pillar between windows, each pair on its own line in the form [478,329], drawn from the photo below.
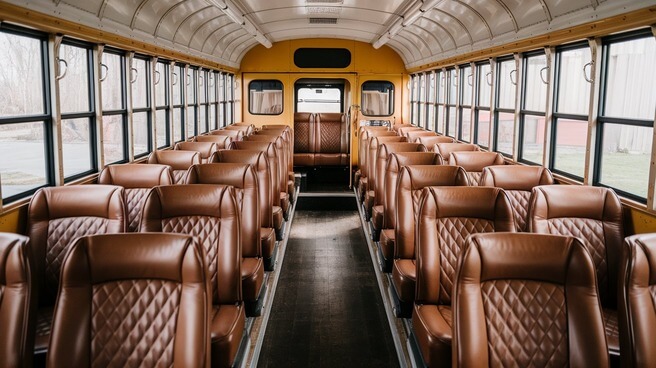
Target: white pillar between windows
[185,98]
[550,53]
[593,111]
[54,44]
[518,105]
[457,83]
[154,80]
[170,103]
[651,201]
[97,70]
[130,77]
[493,103]
[472,100]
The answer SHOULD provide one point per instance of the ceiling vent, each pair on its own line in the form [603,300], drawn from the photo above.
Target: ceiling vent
[323,20]
[324,10]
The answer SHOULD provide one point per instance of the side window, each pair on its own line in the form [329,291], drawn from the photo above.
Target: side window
[265,97]
[377,98]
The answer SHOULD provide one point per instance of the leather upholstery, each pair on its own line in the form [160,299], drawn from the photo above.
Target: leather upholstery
[594,215]
[281,167]
[363,135]
[637,301]
[447,215]
[235,135]
[412,179]
[222,141]
[517,181]
[56,217]
[211,214]
[245,129]
[130,300]
[363,150]
[243,179]
[414,134]
[332,133]
[445,149]
[403,131]
[288,173]
[431,141]
[272,155]
[396,127]
[526,300]
[136,180]
[180,162]
[206,149]
[17,301]
[474,163]
[372,159]
[321,139]
[304,138]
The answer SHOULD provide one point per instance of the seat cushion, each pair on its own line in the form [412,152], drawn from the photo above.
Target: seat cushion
[404,276]
[268,241]
[284,205]
[612,331]
[368,203]
[377,213]
[356,178]
[386,244]
[331,159]
[290,190]
[226,331]
[278,221]
[303,159]
[252,278]
[43,324]
[431,325]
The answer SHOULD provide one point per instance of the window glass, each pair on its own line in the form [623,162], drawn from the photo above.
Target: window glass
[74,87]
[484,85]
[315,99]
[211,86]
[377,98]
[465,129]
[76,143]
[441,87]
[21,78]
[467,82]
[573,89]
[113,143]
[625,158]
[452,86]
[141,133]
[112,84]
[506,97]
[569,155]
[191,81]
[162,128]
[451,128]
[202,119]
[505,132]
[631,77]
[483,128]
[202,87]
[212,117]
[22,157]
[161,81]
[177,83]
[533,138]
[265,97]
[139,81]
[191,122]
[535,98]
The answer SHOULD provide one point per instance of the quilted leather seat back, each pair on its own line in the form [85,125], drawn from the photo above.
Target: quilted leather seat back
[363,144]
[384,151]
[206,149]
[413,135]
[211,214]
[287,137]
[332,133]
[592,214]
[59,215]
[637,304]
[222,141]
[517,181]
[372,156]
[136,180]
[397,161]
[304,133]
[431,141]
[474,163]
[260,163]
[446,217]
[17,301]
[244,180]
[180,162]
[272,155]
[130,300]
[235,135]
[445,149]
[527,300]
[410,185]
[281,155]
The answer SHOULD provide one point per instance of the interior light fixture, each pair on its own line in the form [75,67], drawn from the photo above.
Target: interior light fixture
[229,9]
[408,18]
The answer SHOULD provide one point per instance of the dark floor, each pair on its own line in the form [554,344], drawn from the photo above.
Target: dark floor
[327,310]
[325,179]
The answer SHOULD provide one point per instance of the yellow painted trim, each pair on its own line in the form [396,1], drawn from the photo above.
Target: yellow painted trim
[635,19]
[48,23]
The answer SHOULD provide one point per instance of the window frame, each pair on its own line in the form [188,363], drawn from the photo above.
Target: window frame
[282,89]
[391,99]
[166,106]
[477,101]
[451,101]
[461,105]
[148,108]
[523,112]
[178,67]
[123,112]
[501,110]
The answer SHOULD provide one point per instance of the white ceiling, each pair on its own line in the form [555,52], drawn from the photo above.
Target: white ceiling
[447,28]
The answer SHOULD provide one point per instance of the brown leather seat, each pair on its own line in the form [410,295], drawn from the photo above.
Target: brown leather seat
[180,162]
[363,152]
[56,217]
[287,136]
[363,130]
[272,155]
[137,180]
[474,163]
[526,300]
[206,149]
[222,141]
[446,217]
[637,305]
[372,157]
[595,216]
[235,135]
[304,139]
[445,149]
[378,209]
[332,140]
[403,131]
[413,135]
[431,141]
[245,128]
[17,301]
[517,181]
[396,127]
[244,180]
[132,299]
[211,213]
[260,164]
[411,181]
[395,163]
[281,168]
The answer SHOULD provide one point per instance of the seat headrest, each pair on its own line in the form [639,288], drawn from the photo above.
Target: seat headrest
[178,160]
[516,177]
[475,161]
[136,175]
